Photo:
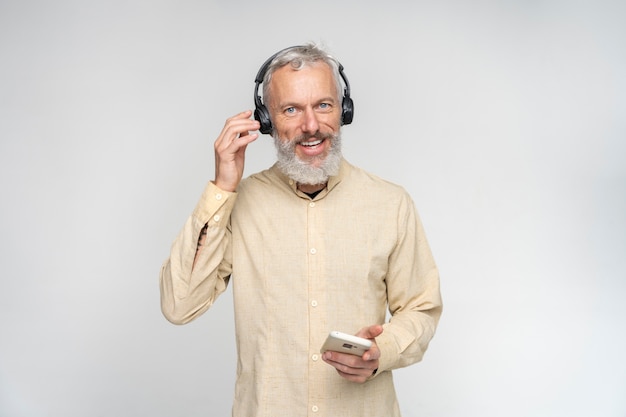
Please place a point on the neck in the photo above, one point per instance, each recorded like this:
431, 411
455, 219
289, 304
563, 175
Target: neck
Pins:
309, 189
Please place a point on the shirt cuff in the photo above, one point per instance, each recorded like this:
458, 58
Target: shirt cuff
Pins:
215, 206
392, 342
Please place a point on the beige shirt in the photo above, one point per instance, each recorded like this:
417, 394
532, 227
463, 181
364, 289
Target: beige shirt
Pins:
301, 268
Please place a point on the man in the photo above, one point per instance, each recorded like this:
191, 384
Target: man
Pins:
312, 244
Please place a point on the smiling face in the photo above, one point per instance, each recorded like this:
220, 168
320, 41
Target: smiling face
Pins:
305, 112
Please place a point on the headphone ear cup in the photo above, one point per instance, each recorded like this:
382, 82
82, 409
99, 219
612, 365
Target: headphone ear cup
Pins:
347, 110
262, 115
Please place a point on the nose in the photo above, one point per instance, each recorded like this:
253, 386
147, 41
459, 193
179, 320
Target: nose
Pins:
310, 123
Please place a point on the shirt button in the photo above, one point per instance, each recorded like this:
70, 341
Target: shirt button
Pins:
313, 251
315, 358
218, 196
315, 409
311, 204
314, 303
216, 218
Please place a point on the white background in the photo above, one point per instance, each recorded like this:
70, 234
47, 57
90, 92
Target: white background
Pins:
506, 121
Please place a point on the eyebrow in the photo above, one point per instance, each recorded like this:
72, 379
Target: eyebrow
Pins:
287, 104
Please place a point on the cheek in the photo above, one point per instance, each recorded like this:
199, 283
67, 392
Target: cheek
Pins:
328, 122
285, 133
333, 119
283, 125
332, 124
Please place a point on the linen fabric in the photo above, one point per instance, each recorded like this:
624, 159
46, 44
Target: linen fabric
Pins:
354, 256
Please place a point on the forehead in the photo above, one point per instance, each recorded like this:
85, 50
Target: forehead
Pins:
312, 81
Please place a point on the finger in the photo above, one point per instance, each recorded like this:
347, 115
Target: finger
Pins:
237, 125
372, 355
244, 140
370, 332
246, 114
354, 378
235, 150
349, 369
352, 373
230, 142
349, 363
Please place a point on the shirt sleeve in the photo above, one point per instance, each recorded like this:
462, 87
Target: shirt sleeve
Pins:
413, 294
187, 291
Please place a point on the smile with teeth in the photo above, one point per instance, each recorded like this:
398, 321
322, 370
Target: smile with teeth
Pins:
312, 143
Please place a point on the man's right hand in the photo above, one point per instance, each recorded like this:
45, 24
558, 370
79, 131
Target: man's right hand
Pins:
230, 149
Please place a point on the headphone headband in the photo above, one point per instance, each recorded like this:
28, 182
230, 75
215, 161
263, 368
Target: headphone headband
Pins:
262, 114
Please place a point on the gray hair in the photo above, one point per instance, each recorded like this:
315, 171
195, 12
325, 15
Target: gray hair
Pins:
300, 57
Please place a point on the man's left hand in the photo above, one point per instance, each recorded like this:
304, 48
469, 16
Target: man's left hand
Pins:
357, 368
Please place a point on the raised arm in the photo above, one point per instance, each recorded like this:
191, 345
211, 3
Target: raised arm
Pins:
199, 265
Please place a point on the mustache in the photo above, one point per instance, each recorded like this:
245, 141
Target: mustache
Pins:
316, 135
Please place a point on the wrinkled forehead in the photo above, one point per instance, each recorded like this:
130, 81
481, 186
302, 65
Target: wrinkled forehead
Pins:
300, 70
300, 84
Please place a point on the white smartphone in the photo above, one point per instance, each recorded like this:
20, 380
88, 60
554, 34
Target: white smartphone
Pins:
346, 343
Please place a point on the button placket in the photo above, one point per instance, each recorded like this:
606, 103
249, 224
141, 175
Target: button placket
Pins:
315, 248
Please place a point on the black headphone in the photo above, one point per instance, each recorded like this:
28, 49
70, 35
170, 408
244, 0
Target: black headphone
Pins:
262, 114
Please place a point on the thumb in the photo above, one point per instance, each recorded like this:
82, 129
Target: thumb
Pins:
370, 332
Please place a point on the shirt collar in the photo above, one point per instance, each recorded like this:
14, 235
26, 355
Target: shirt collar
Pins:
333, 181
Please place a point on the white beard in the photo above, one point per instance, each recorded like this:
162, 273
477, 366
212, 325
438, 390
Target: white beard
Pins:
303, 172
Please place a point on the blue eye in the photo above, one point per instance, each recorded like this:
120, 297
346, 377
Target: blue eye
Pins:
290, 110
